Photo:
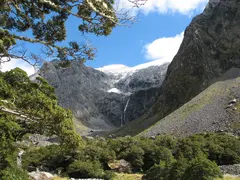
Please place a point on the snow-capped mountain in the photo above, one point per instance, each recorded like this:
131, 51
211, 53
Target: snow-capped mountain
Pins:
121, 71
106, 97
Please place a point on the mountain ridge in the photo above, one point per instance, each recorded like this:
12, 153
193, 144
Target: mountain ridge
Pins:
210, 48
104, 101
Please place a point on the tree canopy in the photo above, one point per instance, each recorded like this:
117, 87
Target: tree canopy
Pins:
29, 108
44, 21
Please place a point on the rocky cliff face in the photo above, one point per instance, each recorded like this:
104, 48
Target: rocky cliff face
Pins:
211, 46
104, 100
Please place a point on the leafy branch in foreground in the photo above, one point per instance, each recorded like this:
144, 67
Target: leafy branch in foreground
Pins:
44, 22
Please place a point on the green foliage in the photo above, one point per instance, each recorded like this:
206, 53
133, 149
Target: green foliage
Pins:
51, 157
13, 174
165, 157
166, 141
178, 168
46, 20
31, 108
202, 169
109, 175
88, 169
191, 147
156, 154
63, 64
158, 172
223, 149
199, 168
134, 155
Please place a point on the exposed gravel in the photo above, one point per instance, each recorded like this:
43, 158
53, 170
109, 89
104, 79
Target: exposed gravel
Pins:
208, 111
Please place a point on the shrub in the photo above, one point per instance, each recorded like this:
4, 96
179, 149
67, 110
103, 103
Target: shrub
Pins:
166, 141
13, 173
98, 151
222, 148
202, 169
178, 168
79, 169
109, 175
157, 172
48, 158
155, 155
133, 155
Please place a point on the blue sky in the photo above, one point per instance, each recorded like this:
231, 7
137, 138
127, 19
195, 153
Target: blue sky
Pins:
156, 35
126, 45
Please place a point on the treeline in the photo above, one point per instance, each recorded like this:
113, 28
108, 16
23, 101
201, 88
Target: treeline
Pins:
166, 157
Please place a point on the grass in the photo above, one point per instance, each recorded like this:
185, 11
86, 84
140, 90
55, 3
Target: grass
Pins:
229, 177
59, 178
142, 124
122, 176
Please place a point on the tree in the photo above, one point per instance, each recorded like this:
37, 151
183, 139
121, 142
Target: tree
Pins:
202, 169
26, 108
45, 21
158, 172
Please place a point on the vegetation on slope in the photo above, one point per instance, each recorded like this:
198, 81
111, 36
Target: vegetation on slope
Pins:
176, 158
208, 109
27, 108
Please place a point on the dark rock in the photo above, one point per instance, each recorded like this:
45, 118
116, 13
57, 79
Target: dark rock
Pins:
231, 169
210, 48
120, 166
85, 91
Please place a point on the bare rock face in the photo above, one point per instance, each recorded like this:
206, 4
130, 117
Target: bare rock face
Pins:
103, 101
211, 46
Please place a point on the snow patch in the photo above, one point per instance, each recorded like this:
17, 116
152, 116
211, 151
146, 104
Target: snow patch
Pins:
114, 90
121, 71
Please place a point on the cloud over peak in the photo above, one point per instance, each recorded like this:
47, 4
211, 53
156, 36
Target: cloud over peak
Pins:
164, 48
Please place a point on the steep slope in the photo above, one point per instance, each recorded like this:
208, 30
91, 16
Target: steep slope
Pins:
104, 100
210, 111
210, 47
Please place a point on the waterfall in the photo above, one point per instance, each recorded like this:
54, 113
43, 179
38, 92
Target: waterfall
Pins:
124, 111
19, 158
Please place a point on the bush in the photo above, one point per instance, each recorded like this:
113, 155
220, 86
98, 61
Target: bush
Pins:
222, 148
166, 141
109, 175
98, 151
202, 169
133, 155
155, 155
13, 173
157, 172
178, 168
49, 158
191, 147
79, 169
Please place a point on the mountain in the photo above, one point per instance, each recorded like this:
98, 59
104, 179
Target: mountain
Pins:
209, 49
104, 98
213, 110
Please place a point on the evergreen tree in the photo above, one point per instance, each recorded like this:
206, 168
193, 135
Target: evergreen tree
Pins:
45, 21
26, 108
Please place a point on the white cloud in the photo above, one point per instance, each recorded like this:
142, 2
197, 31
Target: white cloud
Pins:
186, 7
17, 63
163, 49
